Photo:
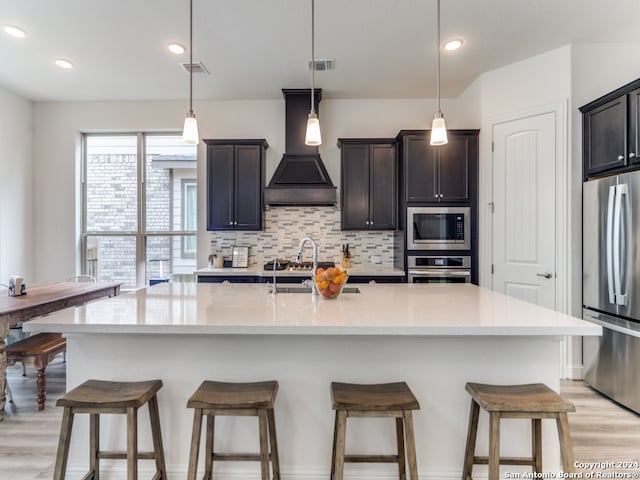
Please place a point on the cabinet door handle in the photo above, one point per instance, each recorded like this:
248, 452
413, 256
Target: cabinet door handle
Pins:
436, 195
371, 223
620, 157
632, 154
230, 223
366, 222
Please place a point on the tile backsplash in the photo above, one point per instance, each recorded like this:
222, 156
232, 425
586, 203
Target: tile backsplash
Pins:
286, 226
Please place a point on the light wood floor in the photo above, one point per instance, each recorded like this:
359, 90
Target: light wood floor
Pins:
601, 430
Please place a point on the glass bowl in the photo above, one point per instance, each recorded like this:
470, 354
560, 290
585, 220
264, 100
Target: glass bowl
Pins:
329, 282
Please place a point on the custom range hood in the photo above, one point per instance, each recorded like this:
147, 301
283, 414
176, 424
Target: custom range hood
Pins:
301, 178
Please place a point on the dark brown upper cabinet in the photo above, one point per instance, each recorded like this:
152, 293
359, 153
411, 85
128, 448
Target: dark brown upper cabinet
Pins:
438, 174
611, 132
369, 184
235, 184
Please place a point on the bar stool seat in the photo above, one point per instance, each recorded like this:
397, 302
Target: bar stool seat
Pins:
395, 400
532, 401
213, 399
102, 394
97, 397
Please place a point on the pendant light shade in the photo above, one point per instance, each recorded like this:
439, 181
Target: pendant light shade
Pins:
190, 130
438, 130
313, 138
438, 127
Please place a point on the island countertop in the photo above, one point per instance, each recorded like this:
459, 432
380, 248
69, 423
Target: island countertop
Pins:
249, 309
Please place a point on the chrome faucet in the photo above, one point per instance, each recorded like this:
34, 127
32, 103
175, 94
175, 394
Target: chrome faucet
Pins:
275, 288
314, 290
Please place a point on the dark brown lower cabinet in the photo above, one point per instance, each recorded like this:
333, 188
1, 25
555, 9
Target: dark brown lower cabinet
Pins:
235, 184
369, 184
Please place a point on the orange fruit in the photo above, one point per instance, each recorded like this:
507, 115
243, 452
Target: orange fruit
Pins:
319, 271
323, 285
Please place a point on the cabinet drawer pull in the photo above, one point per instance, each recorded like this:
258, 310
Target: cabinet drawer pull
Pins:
620, 157
632, 154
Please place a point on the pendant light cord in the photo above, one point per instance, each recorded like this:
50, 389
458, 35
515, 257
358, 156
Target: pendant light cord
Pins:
438, 48
191, 58
313, 60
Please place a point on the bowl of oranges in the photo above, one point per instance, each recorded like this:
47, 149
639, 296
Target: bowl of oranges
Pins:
329, 282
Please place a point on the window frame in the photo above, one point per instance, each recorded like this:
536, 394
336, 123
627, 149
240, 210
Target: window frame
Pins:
185, 184
141, 234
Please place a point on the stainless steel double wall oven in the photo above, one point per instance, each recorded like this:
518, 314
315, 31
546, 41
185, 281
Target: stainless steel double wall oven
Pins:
437, 228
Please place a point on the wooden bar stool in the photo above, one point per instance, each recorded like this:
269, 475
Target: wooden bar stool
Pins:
382, 400
534, 401
97, 397
234, 399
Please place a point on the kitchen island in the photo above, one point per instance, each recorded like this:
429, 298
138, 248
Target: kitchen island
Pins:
435, 337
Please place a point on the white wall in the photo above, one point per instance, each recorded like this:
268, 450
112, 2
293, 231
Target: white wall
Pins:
16, 187
57, 156
540, 81
536, 81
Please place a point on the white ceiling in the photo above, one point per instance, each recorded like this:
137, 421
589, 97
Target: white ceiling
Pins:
253, 48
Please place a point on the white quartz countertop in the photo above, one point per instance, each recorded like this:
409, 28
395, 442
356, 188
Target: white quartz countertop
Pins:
249, 309
258, 271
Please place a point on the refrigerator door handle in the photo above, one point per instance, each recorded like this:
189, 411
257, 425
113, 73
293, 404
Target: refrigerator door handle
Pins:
609, 238
621, 190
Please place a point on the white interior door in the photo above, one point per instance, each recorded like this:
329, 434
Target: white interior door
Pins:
524, 208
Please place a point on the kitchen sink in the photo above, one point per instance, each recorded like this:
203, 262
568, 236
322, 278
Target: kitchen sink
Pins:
296, 289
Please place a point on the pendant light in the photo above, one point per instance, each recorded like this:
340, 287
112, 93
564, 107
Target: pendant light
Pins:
438, 127
313, 137
190, 130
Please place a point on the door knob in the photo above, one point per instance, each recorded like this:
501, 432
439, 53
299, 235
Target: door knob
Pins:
545, 274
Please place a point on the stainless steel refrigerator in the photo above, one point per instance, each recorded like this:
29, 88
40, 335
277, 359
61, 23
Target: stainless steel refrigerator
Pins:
611, 286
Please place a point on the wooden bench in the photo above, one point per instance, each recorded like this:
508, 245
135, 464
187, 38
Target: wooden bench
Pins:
37, 350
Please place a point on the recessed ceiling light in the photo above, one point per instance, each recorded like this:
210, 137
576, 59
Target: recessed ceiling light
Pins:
453, 44
176, 48
15, 31
64, 63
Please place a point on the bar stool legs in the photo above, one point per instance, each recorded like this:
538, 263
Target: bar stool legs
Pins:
234, 399
534, 402
393, 400
98, 397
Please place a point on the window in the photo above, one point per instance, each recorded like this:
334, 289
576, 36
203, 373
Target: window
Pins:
189, 216
139, 207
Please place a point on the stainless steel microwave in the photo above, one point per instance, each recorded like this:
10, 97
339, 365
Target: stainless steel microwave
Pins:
438, 228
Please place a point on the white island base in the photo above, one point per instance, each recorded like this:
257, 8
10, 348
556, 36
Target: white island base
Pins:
434, 337
436, 369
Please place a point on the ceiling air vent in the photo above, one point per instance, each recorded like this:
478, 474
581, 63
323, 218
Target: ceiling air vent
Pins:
322, 65
197, 67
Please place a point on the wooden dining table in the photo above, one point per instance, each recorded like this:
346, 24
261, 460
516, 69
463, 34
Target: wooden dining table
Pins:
42, 299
